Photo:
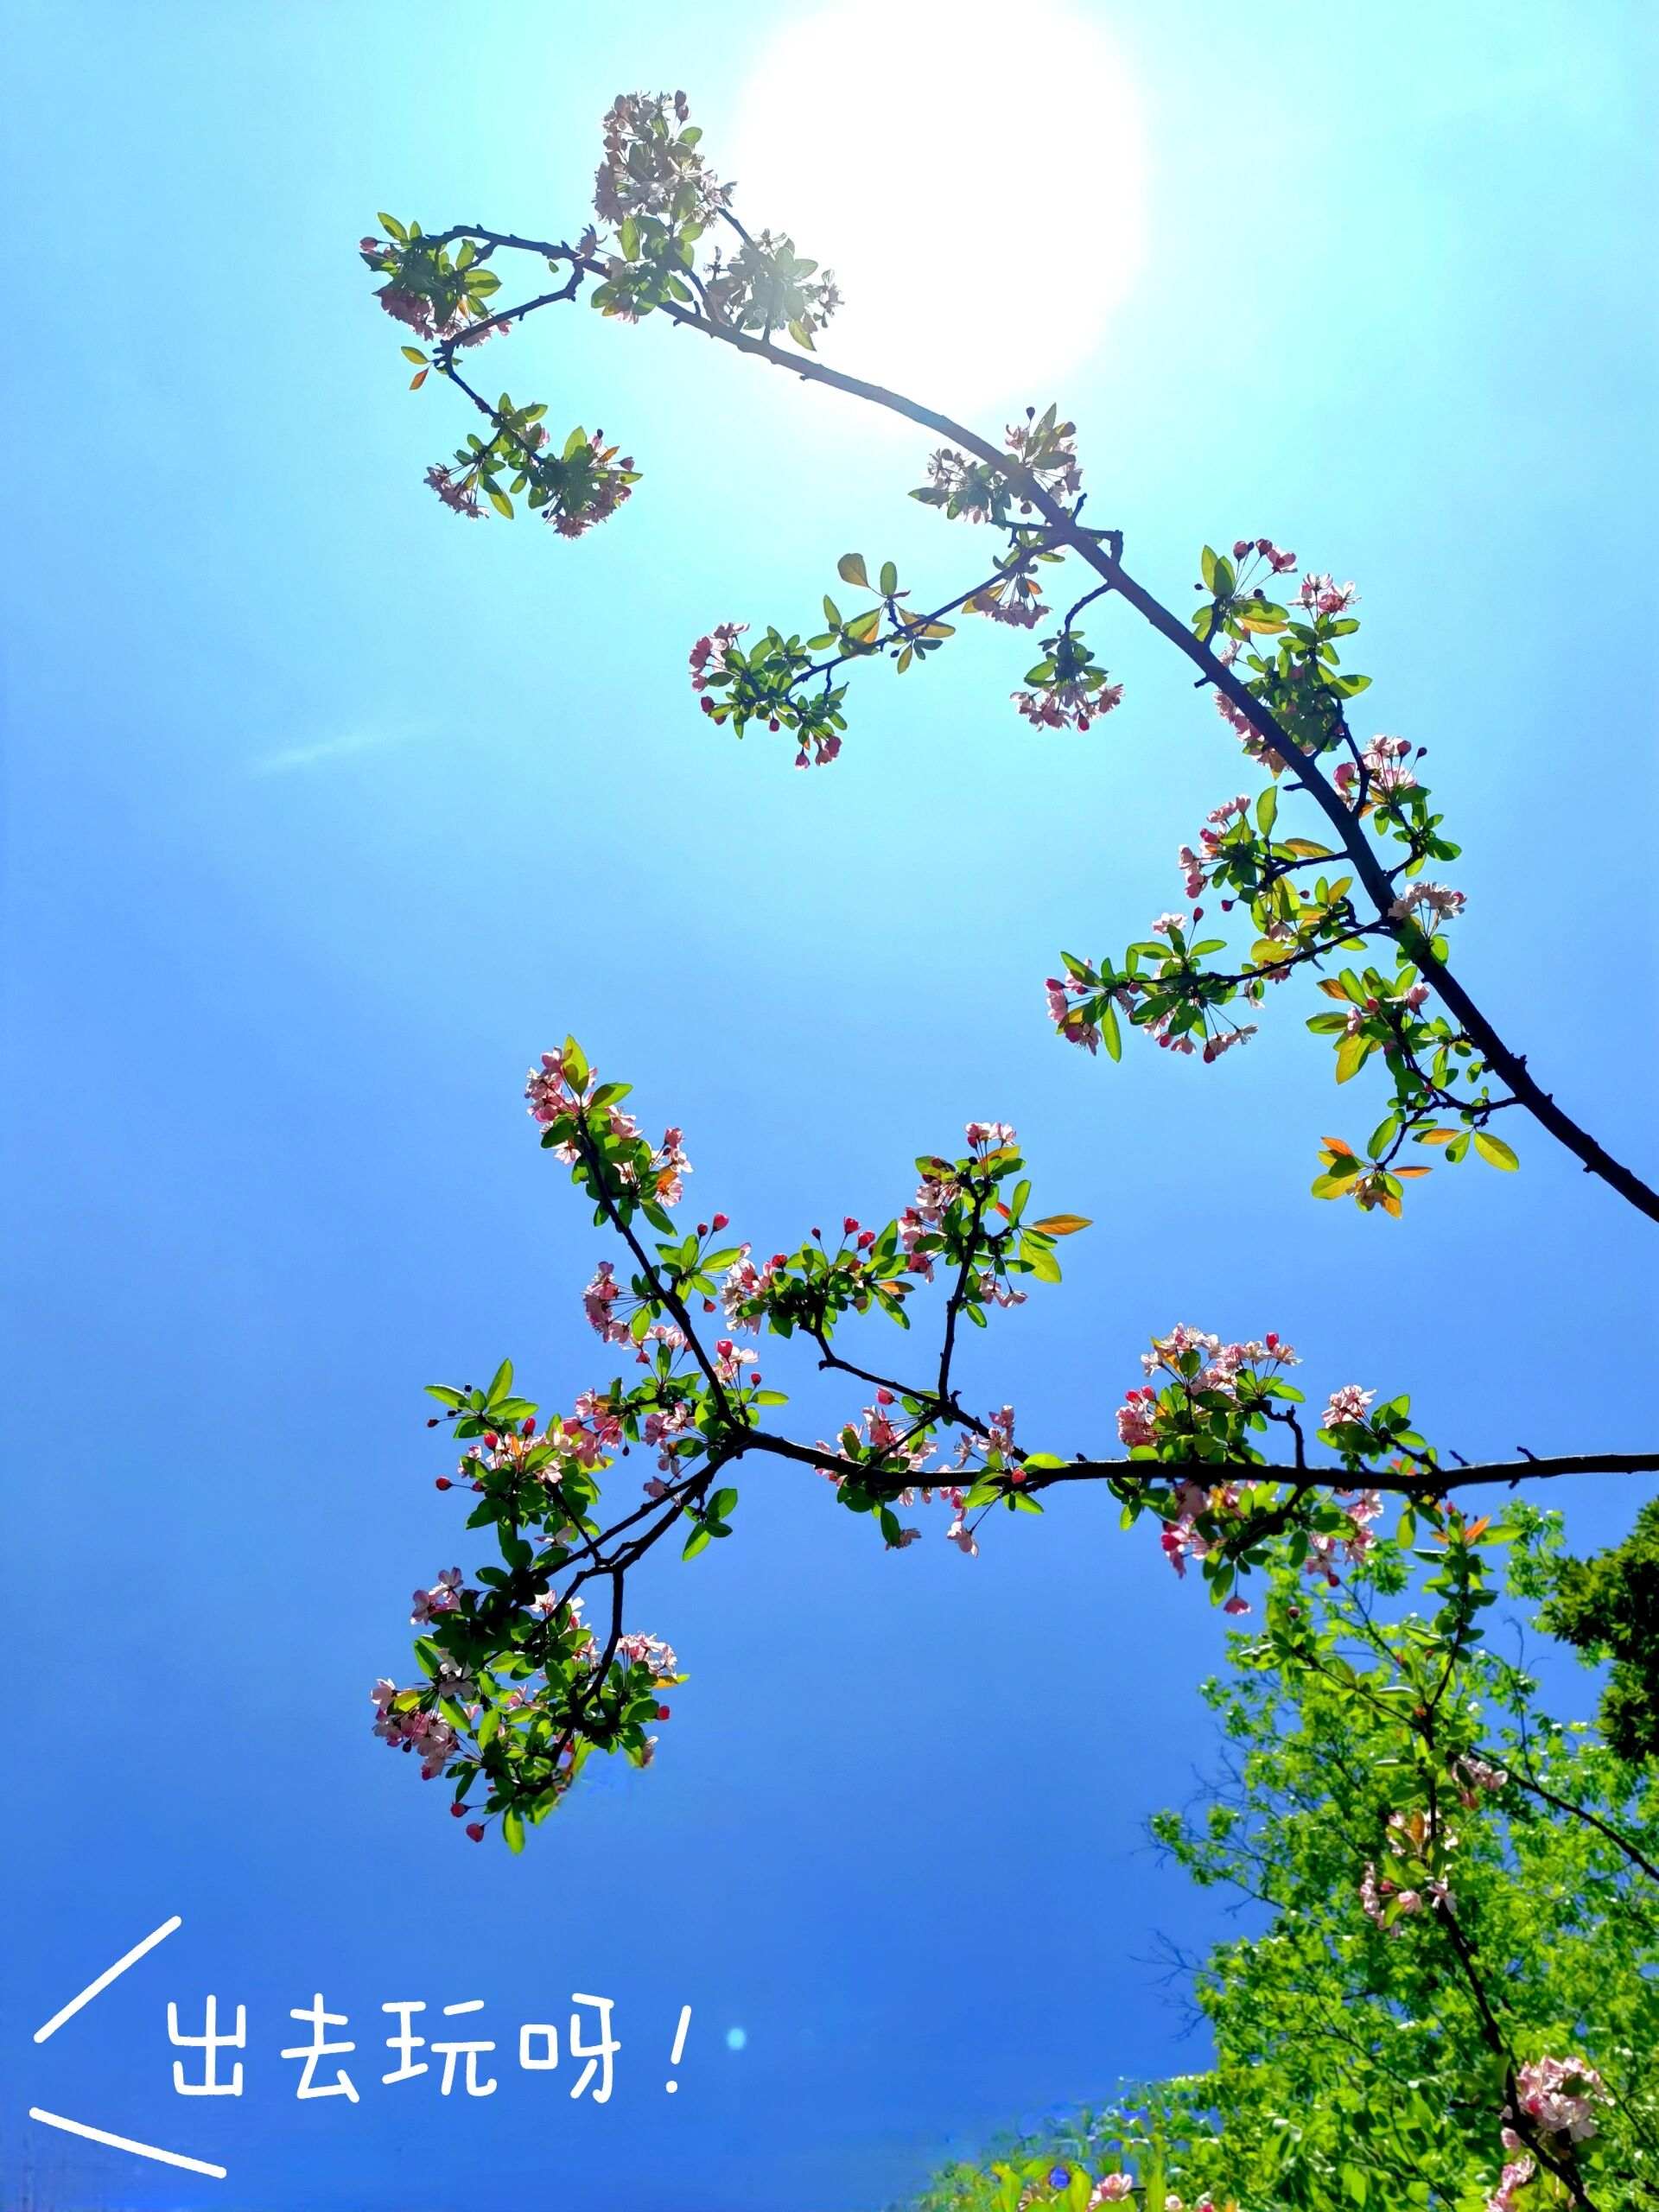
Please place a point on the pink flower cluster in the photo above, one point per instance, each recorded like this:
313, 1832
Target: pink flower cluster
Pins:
415, 309
1326, 1547
659, 1430
648, 168
881, 1434
1194, 865
1076, 702
1471, 1776
443, 1597
651, 1651
744, 1283
1015, 603
1516, 2176
550, 1094
1433, 899
708, 656
429, 1733
599, 1301
458, 493
1323, 595
730, 1360
1347, 1404
1069, 1019
1046, 449
1414, 1835
1278, 561
1558, 2095
1385, 770
602, 488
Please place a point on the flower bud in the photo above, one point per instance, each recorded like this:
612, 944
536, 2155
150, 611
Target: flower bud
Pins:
476, 1829
721, 1220
444, 1482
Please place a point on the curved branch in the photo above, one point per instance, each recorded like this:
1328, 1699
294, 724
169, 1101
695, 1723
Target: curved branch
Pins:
1102, 551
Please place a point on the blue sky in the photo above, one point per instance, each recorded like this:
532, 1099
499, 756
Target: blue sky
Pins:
325, 812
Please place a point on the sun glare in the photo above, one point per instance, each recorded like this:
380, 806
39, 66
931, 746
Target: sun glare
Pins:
972, 174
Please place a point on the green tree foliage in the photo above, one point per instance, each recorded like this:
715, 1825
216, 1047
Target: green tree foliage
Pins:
1609, 1607
1446, 1887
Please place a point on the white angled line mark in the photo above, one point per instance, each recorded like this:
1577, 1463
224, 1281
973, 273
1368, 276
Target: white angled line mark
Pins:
125, 2142
103, 1982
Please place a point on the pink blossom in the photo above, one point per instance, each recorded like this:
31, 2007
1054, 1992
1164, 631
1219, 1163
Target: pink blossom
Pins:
1111, 2188
1558, 2095
442, 1598
730, 1360
990, 1136
598, 1300
1062, 706
1440, 903
714, 649
1323, 595
459, 494
1223, 1039
1516, 2176
1347, 1404
650, 1650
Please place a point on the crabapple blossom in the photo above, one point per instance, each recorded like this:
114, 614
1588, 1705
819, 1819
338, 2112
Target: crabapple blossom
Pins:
731, 1359
1347, 1404
1516, 2176
1559, 2095
1323, 595
442, 1598
649, 1651
598, 1301
1471, 1775
650, 169
1111, 2188
713, 650
1070, 702
1432, 899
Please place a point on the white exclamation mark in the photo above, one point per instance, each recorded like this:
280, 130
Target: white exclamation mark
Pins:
679, 2043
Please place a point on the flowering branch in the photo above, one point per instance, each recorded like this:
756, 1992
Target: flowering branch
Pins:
657, 203
519, 1690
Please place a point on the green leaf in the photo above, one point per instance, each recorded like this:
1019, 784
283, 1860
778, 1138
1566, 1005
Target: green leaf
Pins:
889, 579
1267, 810
502, 1384
1495, 1150
1110, 1035
1352, 1054
513, 1828
850, 568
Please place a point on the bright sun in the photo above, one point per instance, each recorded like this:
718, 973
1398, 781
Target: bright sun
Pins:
972, 174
